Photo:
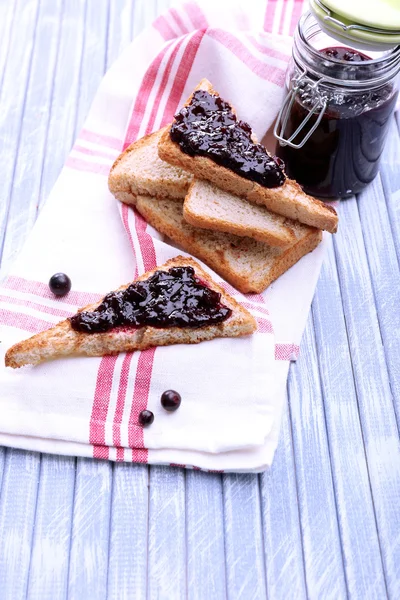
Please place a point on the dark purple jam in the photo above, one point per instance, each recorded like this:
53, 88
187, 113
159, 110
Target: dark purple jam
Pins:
208, 127
174, 298
342, 155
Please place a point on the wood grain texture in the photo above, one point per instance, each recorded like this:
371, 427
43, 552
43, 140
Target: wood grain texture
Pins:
48, 571
17, 517
205, 536
127, 563
378, 419
166, 534
317, 502
244, 543
281, 522
323, 522
360, 545
88, 564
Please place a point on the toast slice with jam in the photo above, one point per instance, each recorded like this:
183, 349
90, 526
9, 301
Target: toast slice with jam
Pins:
208, 140
176, 303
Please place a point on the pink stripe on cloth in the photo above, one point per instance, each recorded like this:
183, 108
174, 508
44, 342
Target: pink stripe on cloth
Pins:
23, 321
269, 15
57, 312
78, 164
163, 85
102, 394
264, 326
91, 152
143, 97
181, 25
119, 409
125, 220
146, 243
164, 28
101, 452
271, 73
181, 77
102, 140
196, 15
265, 49
120, 457
286, 351
296, 14
139, 403
254, 306
37, 288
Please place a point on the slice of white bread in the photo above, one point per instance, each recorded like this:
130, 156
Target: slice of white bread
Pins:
288, 200
209, 207
247, 264
63, 340
138, 170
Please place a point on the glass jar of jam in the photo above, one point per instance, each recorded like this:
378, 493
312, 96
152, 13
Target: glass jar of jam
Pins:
333, 124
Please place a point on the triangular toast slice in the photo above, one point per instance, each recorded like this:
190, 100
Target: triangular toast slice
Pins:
140, 171
209, 207
64, 339
287, 199
247, 264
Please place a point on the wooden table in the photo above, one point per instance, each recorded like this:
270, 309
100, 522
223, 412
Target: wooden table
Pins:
324, 522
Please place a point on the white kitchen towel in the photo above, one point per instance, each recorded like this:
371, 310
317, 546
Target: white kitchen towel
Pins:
233, 390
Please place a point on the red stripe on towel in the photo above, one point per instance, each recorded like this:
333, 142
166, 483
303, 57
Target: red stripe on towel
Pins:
286, 351
139, 403
270, 73
119, 409
143, 97
37, 288
196, 15
97, 431
23, 321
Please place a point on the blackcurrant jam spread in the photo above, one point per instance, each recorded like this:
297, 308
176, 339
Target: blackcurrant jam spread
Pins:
173, 298
342, 155
208, 127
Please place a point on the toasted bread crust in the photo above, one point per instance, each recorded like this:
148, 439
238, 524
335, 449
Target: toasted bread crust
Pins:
271, 229
288, 200
192, 240
123, 178
62, 340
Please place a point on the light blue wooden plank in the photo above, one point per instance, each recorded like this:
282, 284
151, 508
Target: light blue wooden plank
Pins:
166, 573
281, 523
48, 574
32, 144
65, 98
17, 515
119, 28
13, 100
2, 461
390, 175
205, 536
380, 432
90, 531
244, 550
7, 19
93, 57
323, 561
127, 565
385, 278
356, 516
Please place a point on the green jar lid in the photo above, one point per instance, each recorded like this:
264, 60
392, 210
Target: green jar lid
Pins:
368, 24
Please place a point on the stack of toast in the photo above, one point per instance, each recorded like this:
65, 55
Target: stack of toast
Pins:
248, 233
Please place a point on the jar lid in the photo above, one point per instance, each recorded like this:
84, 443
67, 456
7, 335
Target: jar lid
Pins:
371, 25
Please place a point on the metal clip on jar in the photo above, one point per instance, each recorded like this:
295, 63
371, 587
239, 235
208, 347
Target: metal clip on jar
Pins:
334, 120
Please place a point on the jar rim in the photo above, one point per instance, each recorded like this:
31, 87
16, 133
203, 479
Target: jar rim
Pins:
385, 66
